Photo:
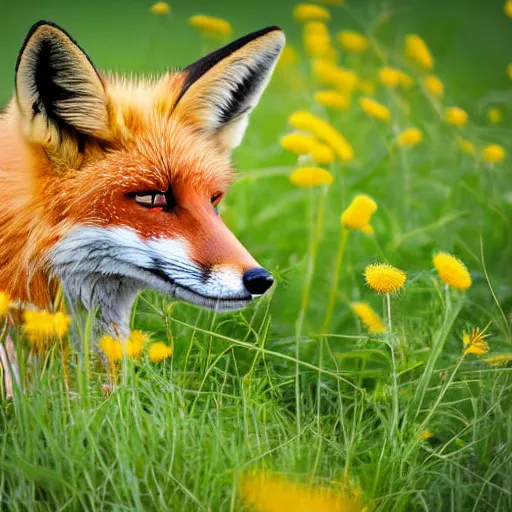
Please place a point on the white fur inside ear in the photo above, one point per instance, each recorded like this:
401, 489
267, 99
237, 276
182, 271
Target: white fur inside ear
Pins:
231, 136
58, 88
221, 99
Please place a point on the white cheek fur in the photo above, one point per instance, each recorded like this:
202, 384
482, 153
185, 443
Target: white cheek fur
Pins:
109, 266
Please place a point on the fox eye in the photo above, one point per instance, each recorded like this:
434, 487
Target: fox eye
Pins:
216, 198
154, 199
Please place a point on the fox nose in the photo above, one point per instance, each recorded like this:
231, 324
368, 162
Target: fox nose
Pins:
258, 280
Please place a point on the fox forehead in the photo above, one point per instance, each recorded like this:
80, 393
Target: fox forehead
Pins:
151, 147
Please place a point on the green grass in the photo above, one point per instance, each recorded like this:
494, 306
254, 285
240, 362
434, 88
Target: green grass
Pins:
267, 387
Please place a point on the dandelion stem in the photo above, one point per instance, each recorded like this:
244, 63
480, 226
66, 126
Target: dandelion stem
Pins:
388, 307
395, 406
337, 273
313, 246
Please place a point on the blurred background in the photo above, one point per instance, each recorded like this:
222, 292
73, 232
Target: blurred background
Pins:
471, 39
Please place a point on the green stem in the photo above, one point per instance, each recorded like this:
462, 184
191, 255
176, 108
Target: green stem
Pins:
313, 246
337, 272
437, 348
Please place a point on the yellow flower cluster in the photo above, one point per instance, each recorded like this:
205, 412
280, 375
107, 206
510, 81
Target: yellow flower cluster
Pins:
384, 278
324, 131
452, 271
358, 214
417, 50
374, 109
311, 177
133, 347
270, 492
493, 153
466, 146
474, 342
317, 41
368, 316
433, 85
333, 99
495, 115
159, 352
210, 27
508, 8
161, 9
389, 77
5, 302
353, 41
456, 116
311, 12
41, 327
327, 73
426, 434
305, 144
409, 137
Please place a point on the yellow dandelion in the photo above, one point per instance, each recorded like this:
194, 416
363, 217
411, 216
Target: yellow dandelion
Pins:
409, 137
509, 71
61, 323
161, 9
111, 347
359, 213
433, 85
367, 87
135, 344
389, 77
353, 41
39, 327
324, 131
305, 144
474, 342
466, 146
426, 434
494, 115
456, 116
159, 352
213, 28
368, 316
384, 278
333, 99
508, 8
5, 302
375, 109
499, 360
452, 271
493, 153
288, 58
406, 81
272, 492
311, 177
417, 50
311, 12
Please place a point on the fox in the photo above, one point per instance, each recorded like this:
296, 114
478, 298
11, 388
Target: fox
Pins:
111, 185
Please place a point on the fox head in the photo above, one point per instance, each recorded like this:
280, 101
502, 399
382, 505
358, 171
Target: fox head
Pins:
130, 172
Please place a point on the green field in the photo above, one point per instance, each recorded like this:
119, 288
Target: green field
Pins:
275, 387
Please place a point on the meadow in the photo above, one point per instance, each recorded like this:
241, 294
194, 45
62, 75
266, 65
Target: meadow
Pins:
325, 396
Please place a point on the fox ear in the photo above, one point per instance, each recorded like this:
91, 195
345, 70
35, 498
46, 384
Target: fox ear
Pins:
58, 90
221, 89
